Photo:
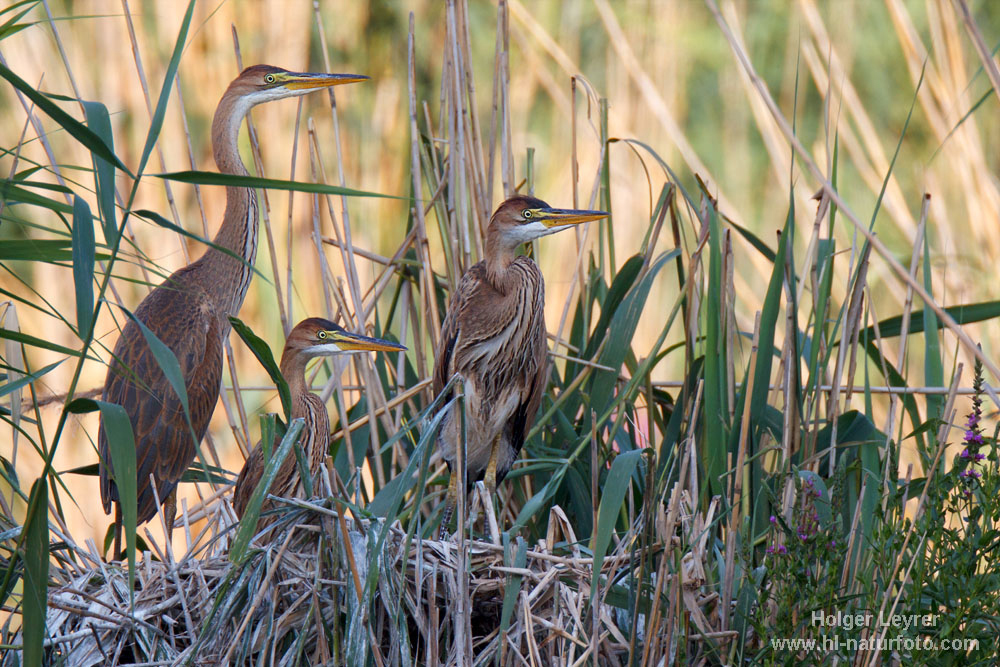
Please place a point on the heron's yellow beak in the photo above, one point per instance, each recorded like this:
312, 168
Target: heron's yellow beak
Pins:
348, 341
308, 80
560, 217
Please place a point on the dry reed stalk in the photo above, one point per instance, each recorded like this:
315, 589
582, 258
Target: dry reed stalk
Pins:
887, 256
350, 268
79, 99
985, 55
56, 171
918, 243
261, 592
140, 71
427, 316
866, 150
376, 397
872, 656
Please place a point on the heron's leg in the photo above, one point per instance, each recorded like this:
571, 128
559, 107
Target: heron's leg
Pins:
451, 501
117, 553
490, 479
169, 513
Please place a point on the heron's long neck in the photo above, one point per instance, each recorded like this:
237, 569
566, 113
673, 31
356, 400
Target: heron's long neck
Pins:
293, 368
231, 277
315, 438
499, 257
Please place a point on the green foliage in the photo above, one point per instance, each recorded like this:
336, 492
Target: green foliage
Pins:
262, 351
248, 524
36, 574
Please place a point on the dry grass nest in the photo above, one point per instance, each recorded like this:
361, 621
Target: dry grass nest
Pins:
294, 596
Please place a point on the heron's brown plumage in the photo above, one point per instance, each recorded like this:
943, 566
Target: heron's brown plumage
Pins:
493, 337
315, 436
310, 338
189, 312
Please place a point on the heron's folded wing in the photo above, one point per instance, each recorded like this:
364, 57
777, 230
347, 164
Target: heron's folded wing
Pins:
165, 441
250, 475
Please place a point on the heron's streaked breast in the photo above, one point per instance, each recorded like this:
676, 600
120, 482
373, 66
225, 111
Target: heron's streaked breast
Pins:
248, 251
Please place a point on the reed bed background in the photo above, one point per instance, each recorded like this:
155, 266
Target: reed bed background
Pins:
718, 454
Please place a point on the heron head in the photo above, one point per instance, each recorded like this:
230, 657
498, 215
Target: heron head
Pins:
317, 337
521, 219
264, 83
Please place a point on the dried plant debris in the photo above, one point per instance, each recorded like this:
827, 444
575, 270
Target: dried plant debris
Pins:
295, 597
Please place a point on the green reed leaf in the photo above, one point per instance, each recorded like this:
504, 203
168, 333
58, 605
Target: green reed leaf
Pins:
262, 351
73, 127
83, 266
248, 523
34, 603
104, 172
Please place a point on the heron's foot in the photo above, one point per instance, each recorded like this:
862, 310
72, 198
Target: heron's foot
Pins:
170, 514
490, 481
451, 501
118, 553
490, 478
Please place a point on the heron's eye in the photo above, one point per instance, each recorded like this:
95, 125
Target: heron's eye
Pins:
269, 78
321, 335
526, 213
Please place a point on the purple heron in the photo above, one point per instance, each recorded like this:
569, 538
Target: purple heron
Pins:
311, 338
493, 337
189, 313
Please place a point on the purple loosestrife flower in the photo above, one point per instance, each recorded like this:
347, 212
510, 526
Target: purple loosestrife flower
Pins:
973, 435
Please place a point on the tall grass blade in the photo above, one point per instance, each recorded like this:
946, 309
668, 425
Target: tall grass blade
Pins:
14, 385
233, 180
73, 127
714, 454
512, 587
121, 443
25, 339
12, 194
262, 351
167, 361
612, 496
104, 172
620, 333
158, 219
962, 314
36, 573
248, 524
51, 251
83, 266
11, 25
899, 146
156, 124
933, 367
768, 324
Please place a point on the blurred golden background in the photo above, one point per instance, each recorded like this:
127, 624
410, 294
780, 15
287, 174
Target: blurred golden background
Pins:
847, 70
